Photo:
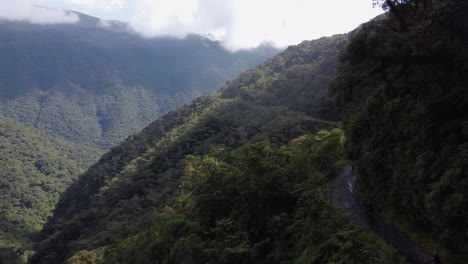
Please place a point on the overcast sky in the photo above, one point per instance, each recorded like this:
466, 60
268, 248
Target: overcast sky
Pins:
236, 23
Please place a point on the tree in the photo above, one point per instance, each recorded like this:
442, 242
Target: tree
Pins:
388, 4
403, 10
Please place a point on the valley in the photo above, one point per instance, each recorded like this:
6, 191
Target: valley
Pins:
95, 85
349, 149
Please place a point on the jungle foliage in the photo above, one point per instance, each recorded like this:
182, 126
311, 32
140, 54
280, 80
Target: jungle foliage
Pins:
127, 190
260, 203
34, 170
402, 87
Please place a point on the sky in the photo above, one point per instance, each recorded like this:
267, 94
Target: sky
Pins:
237, 24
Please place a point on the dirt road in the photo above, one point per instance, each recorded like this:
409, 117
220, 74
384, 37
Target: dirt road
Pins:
343, 196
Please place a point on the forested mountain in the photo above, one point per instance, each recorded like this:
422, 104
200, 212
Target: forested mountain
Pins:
94, 82
158, 197
403, 89
34, 170
242, 175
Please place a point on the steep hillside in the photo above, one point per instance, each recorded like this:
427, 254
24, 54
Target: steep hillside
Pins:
96, 85
34, 170
403, 89
120, 195
261, 203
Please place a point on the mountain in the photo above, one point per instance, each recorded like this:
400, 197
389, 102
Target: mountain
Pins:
96, 83
34, 170
243, 175
402, 87
142, 203
94, 22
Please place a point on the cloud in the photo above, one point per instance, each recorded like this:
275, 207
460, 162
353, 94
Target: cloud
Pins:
249, 23
26, 10
237, 24
102, 5
104, 23
181, 17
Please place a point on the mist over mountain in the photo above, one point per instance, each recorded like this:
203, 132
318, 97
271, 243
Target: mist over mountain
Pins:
94, 82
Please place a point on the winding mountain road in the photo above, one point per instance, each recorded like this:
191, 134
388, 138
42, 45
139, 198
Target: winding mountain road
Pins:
344, 197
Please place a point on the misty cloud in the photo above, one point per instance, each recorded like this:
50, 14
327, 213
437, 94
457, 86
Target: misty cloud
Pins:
26, 10
105, 5
180, 17
104, 23
238, 24
249, 23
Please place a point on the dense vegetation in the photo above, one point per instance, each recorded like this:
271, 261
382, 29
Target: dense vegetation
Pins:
257, 204
128, 189
403, 90
96, 85
34, 170
239, 176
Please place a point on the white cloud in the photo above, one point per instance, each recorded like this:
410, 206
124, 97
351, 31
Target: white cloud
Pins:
236, 23
248, 23
102, 5
181, 17
26, 10
104, 23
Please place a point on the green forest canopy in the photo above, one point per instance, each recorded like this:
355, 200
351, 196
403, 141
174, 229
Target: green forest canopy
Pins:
121, 195
35, 169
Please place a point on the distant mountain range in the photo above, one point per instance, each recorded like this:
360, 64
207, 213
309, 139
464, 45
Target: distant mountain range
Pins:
94, 82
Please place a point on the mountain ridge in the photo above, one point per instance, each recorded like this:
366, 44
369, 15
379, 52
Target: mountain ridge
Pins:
96, 86
260, 104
